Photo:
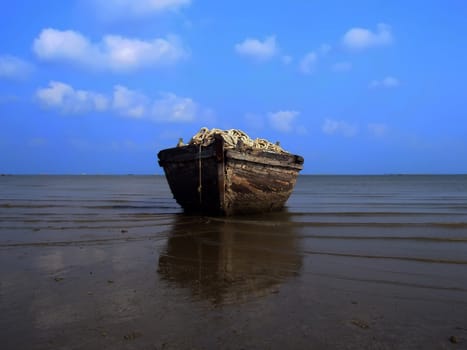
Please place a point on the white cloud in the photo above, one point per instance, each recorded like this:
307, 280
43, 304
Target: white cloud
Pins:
113, 52
335, 127
172, 108
388, 82
129, 103
68, 100
308, 63
377, 129
12, 67
55, 44
114, 9
259, 50
168, 107
283, 120
362, 38
123, 53
341, 66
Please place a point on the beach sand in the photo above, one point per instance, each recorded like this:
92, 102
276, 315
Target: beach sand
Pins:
127, 276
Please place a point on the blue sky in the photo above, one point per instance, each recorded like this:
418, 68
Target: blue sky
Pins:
356, 87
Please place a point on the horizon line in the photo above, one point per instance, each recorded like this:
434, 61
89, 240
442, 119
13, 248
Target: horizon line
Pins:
307, 174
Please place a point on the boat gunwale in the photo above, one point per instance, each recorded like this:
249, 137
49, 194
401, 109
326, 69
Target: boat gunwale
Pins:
292, 163
190, 153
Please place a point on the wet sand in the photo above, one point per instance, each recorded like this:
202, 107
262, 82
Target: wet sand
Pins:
112, 263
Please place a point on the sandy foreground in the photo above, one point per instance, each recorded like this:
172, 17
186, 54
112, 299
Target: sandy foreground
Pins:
353, 263
201, 290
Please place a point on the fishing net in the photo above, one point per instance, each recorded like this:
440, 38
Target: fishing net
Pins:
234, 139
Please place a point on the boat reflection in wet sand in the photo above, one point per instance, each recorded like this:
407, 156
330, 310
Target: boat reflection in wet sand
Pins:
227, 261
226, 173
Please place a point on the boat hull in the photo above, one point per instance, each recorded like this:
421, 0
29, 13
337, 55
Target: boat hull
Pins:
217, 181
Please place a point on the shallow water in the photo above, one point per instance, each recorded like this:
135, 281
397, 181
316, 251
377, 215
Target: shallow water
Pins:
352, 262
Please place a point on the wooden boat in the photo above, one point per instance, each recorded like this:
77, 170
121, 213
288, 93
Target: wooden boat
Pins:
216, 180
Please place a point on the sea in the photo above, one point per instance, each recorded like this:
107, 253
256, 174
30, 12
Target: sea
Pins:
352, 262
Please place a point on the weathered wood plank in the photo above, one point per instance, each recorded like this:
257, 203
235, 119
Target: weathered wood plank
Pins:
186, 154
268, 158
227, 182
257, 188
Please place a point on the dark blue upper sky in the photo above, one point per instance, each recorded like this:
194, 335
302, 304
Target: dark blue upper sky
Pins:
356, 87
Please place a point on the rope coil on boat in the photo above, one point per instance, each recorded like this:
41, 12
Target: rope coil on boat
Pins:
234, 139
